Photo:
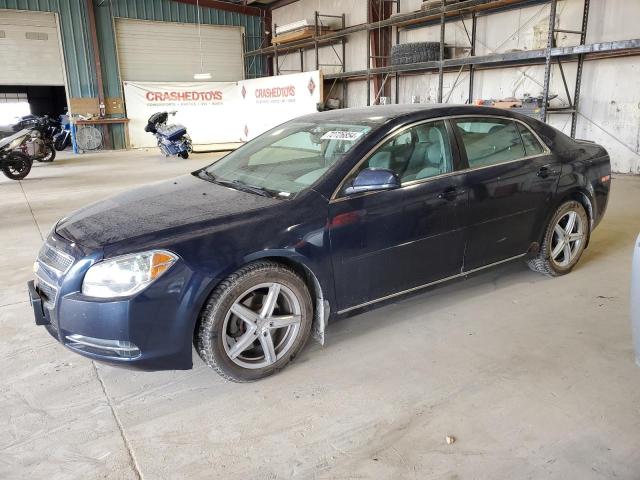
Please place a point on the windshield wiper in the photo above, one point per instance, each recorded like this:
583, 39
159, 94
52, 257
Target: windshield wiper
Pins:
205, 175
240, 185
237, 184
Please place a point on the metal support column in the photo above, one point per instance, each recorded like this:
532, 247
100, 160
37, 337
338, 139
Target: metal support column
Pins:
344, 62
397, 77
441, 64
576, 95
275, 54
315, 39
368, 30
474, 25
547, 64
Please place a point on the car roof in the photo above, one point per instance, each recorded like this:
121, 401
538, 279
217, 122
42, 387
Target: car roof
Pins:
379, 114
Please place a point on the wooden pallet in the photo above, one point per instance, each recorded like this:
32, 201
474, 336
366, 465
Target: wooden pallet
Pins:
307, 32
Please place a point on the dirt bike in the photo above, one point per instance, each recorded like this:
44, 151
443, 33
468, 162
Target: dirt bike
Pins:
15, 164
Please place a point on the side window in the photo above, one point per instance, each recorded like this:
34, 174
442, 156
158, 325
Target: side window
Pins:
490, 141
531, 144
419, 152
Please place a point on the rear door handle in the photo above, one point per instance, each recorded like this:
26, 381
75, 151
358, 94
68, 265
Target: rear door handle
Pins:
545, 171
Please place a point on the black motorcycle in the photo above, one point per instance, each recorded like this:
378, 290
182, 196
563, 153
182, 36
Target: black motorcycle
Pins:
13, 163
62, 139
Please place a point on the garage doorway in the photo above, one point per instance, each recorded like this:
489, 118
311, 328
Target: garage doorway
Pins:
32, 79
168, 52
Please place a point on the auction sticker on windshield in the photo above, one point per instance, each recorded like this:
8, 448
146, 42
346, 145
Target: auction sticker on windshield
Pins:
342, 135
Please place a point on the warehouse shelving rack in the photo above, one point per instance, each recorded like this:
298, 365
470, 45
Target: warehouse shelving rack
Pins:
466, 10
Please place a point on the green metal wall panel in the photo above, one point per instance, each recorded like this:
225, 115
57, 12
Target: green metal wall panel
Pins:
76, 42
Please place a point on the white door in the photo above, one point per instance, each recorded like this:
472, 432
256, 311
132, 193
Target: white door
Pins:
30, 49
169, 52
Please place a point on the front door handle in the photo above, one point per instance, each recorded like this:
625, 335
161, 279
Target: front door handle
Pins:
449, 194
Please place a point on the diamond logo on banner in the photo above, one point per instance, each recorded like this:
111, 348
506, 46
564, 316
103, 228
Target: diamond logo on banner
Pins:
311, 86
243, 92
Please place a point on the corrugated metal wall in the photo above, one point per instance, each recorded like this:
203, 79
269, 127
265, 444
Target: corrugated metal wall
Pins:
81, 75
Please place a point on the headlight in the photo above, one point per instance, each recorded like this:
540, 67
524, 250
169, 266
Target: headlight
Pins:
126, 275
15, 143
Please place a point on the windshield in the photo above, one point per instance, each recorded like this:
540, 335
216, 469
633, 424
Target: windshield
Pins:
287, 159
7, 140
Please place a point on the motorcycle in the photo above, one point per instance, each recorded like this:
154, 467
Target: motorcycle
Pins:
172, 139
26, 121
62, 139
13, 162
40, 145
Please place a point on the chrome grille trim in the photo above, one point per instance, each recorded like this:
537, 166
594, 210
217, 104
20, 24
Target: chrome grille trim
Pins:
49, 291
55, 259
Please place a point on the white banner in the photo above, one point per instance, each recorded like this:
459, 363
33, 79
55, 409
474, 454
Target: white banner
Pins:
221, 112
201, 107
270, 101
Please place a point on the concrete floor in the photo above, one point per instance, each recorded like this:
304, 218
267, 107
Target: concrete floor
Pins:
534, 377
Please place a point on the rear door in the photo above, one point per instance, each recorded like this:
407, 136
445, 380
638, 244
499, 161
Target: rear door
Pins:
511, 178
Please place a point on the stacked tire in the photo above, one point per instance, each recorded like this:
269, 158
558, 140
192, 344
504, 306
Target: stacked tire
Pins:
415, 52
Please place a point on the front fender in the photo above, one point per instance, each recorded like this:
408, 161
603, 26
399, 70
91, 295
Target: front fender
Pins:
318, 278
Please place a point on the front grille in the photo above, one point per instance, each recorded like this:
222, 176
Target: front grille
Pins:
53, 258
48, 291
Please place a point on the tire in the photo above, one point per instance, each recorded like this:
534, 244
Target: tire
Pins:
553, 259
415, 52
184, 154
62, 144
246, 291
16, 166
49, 154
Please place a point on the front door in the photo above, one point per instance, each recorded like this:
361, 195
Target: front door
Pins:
387, 242
511, 177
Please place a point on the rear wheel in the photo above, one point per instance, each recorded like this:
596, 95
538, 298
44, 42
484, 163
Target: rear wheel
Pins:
17, 166
564, 241
255, 322
184, 154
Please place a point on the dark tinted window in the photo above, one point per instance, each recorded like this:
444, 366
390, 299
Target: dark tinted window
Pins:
531, 144
419, 152
490, 141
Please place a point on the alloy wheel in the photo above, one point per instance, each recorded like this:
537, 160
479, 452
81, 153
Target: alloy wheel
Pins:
568, 237
262, 325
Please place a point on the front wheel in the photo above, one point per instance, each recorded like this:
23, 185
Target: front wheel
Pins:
17, 166
255, 322
564, 241
184, 154
49, 154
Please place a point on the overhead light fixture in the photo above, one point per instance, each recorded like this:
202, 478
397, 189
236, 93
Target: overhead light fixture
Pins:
202, 75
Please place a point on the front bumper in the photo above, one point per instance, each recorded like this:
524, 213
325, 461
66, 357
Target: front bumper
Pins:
108, 332
152, 330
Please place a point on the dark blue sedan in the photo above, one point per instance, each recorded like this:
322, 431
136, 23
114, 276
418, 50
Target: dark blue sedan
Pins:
324, 215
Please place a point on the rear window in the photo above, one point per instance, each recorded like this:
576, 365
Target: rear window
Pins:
490, 141
531, 144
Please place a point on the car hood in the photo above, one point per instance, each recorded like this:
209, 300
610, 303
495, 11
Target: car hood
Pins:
149, 210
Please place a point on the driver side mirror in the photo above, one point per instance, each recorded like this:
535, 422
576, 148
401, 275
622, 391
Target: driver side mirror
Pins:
371, 180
